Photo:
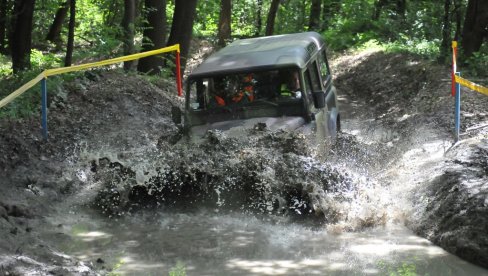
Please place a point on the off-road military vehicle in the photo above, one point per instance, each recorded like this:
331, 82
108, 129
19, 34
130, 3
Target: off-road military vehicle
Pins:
277, 82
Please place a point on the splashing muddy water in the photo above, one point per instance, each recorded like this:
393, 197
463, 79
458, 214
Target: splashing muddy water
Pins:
267, 205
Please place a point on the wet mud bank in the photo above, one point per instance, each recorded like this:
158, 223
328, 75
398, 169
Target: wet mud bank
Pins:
453, 209
442, 186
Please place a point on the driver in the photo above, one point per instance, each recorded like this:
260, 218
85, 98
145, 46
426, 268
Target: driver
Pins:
290, 83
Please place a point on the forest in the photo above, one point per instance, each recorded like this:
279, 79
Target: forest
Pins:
36, 35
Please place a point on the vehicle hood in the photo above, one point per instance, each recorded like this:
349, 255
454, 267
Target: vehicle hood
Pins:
239, 128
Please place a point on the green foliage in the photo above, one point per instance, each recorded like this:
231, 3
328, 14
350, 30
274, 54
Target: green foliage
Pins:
44, 60
350, 33
477, 66
178, 270
425, 48
26, 104
29, 103
118, 265
403, 269
207, 18
5, 66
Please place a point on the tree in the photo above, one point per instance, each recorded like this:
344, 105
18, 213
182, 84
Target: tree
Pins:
71, 33
446, 32
314, 15
378, 6
128, 30
401, 8
55, 30
459, 16
273, 10
154, 35
182, 27
4, 7
224, 22
475, 26
259, 17
21, 34
330, 8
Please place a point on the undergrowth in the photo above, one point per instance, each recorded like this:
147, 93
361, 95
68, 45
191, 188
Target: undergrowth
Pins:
29, 103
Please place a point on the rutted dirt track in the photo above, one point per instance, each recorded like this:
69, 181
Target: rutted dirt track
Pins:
397, 119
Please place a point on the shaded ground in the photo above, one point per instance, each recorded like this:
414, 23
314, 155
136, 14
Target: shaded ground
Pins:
103, 129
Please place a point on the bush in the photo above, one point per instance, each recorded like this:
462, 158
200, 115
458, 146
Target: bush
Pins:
477, 65
28, 103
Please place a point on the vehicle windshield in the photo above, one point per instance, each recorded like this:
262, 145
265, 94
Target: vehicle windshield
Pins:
246, 89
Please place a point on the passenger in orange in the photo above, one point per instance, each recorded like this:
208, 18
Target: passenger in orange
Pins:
244, 92
246, 89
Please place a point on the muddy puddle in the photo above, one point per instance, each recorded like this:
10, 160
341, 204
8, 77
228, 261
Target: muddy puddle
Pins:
333, 218
208, 243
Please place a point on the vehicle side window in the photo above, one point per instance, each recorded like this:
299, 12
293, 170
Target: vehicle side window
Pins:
308, 82
309, 88
324, 68
314, 76
197, 94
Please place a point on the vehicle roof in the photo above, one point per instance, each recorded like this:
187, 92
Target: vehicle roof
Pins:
261, 53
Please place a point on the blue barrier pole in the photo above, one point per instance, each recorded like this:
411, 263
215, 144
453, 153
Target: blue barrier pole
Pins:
458, 108
44, 107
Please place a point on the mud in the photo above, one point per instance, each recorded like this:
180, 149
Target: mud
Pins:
444, 184
111, 148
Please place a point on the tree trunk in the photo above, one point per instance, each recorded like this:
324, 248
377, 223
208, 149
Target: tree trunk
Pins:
71, 33
401, 8
259, 18
154, 35
182, 27
459, 16
128, 30
55, 30
273, 10
475, 26
314, 22
378, 6
224, 22
446, 32
330, 8
3, 26
21, 34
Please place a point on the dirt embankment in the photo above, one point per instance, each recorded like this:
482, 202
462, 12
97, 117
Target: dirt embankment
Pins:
103, 129
443, 186
105, 114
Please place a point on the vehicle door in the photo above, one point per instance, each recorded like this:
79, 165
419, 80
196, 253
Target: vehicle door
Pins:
319, 115
330, 92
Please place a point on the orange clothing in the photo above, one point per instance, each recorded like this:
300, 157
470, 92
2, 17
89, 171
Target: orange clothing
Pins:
220, 101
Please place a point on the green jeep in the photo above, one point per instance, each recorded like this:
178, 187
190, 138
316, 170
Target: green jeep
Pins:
276, 82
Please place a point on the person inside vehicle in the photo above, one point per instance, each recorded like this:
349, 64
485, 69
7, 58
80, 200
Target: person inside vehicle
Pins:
217, 97
240, 90
245, 92
289, 83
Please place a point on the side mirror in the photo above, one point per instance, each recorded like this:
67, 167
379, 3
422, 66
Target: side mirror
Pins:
319, 99
176, 115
